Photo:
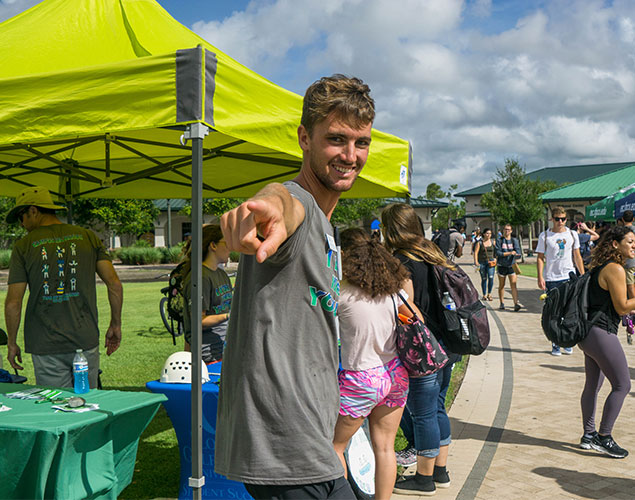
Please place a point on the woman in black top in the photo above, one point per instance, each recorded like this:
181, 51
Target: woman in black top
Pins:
485, 261
603, 353
425, 422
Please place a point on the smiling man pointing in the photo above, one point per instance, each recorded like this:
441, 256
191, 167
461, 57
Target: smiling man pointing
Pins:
279, 396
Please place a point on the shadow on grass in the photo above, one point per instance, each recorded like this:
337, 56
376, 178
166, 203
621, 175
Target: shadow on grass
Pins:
581, 484
157, 468
153, 332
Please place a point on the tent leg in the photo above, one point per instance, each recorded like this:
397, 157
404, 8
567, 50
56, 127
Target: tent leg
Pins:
168, 236
196, 132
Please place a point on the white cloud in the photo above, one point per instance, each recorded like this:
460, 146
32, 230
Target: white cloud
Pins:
10, 8
482, 8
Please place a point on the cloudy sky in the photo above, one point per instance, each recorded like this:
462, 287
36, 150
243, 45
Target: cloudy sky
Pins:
467, 82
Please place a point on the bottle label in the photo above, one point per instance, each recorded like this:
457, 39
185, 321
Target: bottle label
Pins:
80, 367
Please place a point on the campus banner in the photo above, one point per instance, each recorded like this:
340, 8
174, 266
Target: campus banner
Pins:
626, 203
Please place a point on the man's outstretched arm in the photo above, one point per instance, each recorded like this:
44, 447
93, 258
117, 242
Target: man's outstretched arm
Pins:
261, 224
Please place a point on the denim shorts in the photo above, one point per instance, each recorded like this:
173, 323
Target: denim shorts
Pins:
361, 391
505, 270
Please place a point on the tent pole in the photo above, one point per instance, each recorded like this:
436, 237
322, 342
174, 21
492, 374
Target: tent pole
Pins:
168, 237
196, 132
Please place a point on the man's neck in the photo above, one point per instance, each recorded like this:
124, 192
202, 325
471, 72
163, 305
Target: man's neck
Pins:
47, 220
560, 230
324, 197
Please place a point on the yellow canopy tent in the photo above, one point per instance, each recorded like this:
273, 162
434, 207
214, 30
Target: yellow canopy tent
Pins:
98, 99
99, 92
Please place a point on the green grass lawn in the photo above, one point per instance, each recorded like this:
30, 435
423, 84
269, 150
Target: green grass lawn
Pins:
144, 348
529, 270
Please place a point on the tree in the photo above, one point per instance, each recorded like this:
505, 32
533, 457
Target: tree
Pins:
9, 233
434, 192
122, 217
349, 211
455, 209
214, 206
514, 198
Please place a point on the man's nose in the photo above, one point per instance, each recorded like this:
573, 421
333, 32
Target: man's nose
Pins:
350, 152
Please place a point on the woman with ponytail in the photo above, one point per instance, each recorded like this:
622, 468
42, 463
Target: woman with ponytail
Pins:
216, 290
373, 382
425, 423
603, 353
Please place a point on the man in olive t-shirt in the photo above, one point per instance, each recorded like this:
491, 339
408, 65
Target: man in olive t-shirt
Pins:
279, 396
58, 263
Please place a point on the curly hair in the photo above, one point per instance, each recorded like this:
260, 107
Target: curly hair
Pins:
604, 251
369, 266
404, 234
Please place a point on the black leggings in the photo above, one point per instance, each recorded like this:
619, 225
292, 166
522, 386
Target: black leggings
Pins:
603, 356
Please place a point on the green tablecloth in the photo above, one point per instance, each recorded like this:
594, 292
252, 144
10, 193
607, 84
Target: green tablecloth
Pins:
45, 454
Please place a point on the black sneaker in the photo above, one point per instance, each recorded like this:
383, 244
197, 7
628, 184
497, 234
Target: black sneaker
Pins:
416, 485
441, 479
585, 440
606, 444
517, 307
502, 307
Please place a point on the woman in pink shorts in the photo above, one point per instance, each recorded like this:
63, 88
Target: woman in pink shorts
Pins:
373, 382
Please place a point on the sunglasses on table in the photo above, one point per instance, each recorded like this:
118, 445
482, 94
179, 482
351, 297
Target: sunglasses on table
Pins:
561, 219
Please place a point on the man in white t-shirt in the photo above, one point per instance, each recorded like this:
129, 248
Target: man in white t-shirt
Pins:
558, 248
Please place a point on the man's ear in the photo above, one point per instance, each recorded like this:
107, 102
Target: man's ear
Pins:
303, 138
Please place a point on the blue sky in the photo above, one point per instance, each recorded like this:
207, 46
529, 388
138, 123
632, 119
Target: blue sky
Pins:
467, 82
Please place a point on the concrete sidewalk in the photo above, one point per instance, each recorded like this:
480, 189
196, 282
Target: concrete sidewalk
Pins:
516, 422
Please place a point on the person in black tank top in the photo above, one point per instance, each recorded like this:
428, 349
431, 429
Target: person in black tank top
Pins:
603, 353
485, 262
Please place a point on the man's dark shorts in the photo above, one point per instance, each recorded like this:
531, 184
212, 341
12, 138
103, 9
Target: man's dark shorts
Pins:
505, 270
336, 489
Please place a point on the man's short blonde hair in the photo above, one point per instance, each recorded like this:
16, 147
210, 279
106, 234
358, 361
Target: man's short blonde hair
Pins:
558, 211
347, 97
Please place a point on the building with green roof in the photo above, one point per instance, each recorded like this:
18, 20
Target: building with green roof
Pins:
573, 200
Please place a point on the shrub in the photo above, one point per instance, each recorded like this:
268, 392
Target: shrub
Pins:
5, 256
234, 256
140, 243
170, 255
139, 255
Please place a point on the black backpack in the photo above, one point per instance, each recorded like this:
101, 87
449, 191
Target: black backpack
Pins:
442, 240
565, 315
176, 299
470, 312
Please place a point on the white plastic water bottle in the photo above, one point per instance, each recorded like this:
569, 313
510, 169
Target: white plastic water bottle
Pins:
448, 303
80, 372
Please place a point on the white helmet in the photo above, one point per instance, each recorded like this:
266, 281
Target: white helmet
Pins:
178, 369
